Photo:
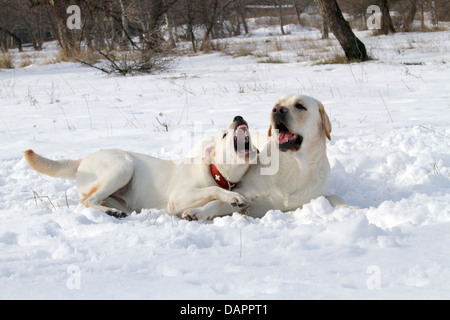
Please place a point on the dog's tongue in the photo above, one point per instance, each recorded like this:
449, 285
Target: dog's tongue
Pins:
242, 139
285, 136
241, 133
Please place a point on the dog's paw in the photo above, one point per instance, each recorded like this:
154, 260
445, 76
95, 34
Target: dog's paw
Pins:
197, 214
236, 200
189, 216
231, 197
116, 214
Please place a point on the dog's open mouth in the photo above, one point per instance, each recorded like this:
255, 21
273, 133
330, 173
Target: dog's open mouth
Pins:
288, 140
242, 140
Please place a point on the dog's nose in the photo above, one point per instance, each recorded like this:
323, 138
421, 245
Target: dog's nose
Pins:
238, 119
279, 109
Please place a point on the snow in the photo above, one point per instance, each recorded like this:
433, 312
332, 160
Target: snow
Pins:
389, 154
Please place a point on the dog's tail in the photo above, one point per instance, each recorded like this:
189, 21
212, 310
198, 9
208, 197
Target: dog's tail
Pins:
58, 169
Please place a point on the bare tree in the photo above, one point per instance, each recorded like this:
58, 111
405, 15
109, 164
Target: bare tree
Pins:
300, 6
21, 23
13, 36
410, 14
386, 22
147, 53
209, 9
432, 5
354, 49
240, 9
442, 9
187, 14
324, 29
69, 41
280, 8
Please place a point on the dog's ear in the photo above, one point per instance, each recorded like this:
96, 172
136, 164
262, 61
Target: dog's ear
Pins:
326, 124
209, 152
270, 131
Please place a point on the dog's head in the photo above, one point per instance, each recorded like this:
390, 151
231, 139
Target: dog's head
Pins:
234, 145
297, 120
232, 151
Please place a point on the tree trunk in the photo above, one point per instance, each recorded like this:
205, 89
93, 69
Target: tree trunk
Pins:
281, 17
354, 49
153, 36
408, 21
170, 30
187, 14
422, 17
386, 23
124, 22
298, 11
192, 37
324, 29
434, 20
241, 9
210, 20
15, 37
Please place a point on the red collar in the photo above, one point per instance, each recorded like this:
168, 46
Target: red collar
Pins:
219, 178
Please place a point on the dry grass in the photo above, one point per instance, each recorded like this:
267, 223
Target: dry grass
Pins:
335, 59
306, 49
25, 60
271, 60
81, 55
236, 50
6, 61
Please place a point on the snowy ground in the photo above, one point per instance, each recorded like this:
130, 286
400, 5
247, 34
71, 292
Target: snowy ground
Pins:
390, 154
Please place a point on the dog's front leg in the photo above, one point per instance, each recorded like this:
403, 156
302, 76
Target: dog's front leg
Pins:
233, 198
182, 200
209, 211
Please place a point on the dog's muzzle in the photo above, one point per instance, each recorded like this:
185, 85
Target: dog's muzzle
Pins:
242, 144
287, 140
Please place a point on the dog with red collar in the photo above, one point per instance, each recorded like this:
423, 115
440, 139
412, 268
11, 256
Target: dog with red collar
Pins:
292, 167
119, 182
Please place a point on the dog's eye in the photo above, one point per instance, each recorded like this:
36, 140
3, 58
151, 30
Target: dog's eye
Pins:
224, 135
300, 106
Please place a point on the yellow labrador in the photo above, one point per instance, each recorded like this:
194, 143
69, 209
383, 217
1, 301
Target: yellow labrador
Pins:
119, 182
296, 147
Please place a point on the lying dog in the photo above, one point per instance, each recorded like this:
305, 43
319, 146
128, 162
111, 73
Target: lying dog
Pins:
296, 144
119, 182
